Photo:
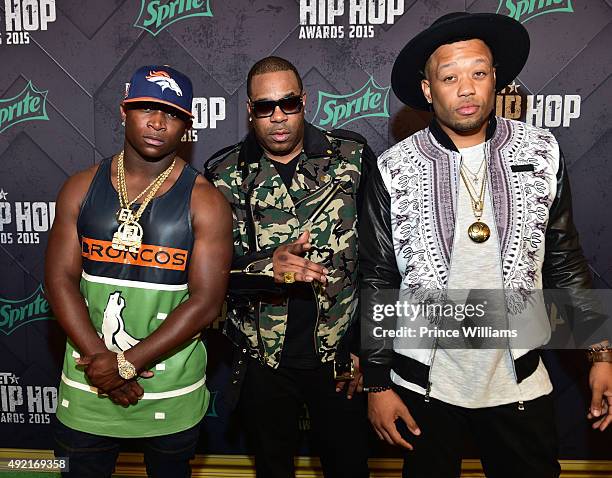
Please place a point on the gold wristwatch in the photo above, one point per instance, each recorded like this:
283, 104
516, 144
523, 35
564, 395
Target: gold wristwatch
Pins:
127, 371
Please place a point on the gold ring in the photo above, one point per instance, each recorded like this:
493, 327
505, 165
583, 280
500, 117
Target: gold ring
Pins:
289, 277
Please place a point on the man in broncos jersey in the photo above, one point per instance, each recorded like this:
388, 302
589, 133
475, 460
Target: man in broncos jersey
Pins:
137, 265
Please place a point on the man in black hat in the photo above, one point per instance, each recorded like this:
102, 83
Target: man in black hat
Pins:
478, 204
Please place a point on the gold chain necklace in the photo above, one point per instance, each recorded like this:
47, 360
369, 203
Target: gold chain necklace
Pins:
129, 234
478, 230
474, 175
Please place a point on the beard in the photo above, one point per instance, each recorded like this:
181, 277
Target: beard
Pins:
469, 124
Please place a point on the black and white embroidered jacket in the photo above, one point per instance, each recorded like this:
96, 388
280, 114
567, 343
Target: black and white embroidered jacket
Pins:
407, 233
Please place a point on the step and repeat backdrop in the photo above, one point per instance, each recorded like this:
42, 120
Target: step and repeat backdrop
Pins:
64, 68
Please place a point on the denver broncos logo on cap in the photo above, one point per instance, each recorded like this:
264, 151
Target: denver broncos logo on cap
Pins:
164, 80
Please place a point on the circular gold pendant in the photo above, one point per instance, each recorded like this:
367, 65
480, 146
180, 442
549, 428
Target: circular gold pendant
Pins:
479, 232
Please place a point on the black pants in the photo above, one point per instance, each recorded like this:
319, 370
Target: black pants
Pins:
271, 402
513, 443
94, 456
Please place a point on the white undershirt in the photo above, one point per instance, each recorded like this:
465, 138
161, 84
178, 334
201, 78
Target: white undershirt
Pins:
474, 378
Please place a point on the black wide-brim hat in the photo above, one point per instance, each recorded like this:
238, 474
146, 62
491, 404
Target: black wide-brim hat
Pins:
507, 39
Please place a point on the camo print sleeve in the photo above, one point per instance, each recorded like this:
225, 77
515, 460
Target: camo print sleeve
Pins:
226, 178
223, 176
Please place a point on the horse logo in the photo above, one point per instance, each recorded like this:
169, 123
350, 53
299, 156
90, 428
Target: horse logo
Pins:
164, 80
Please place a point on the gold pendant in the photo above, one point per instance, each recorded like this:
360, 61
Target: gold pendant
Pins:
125, 215
479, 232
128, 237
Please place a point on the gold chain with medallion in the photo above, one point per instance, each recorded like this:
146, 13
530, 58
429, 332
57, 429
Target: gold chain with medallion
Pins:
478, 231
129, 234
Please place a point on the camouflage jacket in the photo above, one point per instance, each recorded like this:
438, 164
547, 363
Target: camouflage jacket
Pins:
323, 199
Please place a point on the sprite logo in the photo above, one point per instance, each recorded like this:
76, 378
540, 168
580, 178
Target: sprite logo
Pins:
155, 15
335, 111
15, 313
28, 105
525, 10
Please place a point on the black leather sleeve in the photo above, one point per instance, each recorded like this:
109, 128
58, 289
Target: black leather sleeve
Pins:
378, 270
565, 266
564, 263
351, 340
368, 166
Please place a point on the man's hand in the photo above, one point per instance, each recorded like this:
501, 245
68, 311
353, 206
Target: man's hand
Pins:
355, 385
102, 371
128, 394
288, 258
600, 380
383, 409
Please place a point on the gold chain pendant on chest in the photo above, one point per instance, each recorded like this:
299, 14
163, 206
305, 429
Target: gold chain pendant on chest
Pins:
478, 231
129, 234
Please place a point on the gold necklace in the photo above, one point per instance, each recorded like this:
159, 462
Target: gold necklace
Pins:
474, 175
129, 234
478, 230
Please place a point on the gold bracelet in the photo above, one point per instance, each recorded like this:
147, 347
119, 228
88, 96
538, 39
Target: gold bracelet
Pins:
600, 353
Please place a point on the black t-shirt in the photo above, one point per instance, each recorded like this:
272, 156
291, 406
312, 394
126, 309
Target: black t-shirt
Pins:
287, 170
299, 349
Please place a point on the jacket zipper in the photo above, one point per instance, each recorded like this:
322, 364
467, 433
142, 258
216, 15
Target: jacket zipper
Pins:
249, 268
263, 354
322, 205
316, 327
315, 192
450, 262
431, 364
520, 403
324, 202
252, 218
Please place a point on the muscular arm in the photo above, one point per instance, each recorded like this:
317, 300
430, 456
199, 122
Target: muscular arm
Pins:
63, 267
208, 275
63, 275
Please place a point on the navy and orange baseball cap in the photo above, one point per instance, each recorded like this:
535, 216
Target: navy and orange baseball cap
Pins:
161, 84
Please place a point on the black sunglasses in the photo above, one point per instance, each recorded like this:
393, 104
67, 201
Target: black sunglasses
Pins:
265, 108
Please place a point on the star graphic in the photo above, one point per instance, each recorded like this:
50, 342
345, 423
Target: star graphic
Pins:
514, 86
3, 195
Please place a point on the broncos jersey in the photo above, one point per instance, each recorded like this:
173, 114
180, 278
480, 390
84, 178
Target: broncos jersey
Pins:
128, 295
